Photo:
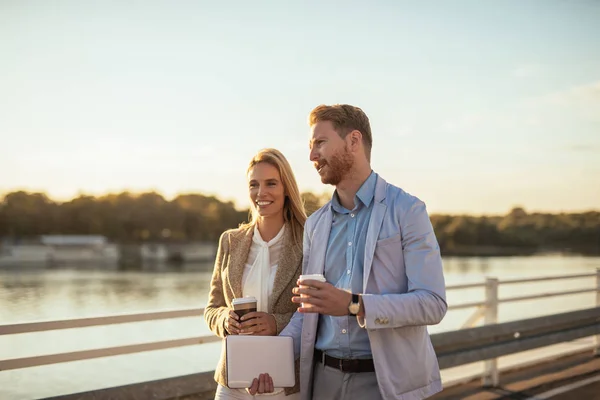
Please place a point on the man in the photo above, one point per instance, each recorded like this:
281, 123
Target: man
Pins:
363, 333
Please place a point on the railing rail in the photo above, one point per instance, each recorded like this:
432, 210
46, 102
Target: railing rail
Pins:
487, 342
486, 309
25, 362
42, 326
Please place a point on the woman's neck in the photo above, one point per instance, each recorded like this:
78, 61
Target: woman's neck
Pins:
270, 226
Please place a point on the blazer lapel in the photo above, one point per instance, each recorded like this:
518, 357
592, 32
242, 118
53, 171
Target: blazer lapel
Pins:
318, 243
377, 215
287, 265
239, 247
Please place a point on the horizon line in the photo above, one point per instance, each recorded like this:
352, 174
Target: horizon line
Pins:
136, 193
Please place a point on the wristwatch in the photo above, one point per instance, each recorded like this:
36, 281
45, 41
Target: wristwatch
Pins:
354, 306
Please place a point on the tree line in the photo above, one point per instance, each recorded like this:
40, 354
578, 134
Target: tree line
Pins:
134, 218
124, 217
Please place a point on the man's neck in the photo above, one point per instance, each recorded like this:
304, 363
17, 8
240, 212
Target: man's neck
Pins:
270, 226
347, 188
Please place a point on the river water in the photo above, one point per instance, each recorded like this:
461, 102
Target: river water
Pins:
36, 294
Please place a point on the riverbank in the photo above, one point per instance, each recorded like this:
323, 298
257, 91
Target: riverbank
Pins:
504, 251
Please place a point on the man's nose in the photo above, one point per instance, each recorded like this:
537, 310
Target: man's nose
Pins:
313, 156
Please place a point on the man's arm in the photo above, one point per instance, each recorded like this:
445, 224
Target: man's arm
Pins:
294, 330
425, 302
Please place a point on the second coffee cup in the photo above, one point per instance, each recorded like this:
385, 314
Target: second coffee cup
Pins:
314, 277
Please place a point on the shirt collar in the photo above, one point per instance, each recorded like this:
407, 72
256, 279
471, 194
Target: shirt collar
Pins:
365, 195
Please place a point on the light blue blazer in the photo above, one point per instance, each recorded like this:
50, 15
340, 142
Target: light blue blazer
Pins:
403, 292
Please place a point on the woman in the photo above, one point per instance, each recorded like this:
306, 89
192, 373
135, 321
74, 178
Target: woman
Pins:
262, 259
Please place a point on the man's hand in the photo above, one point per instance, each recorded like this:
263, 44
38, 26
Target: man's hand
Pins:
322, 298
258, 323
262, 384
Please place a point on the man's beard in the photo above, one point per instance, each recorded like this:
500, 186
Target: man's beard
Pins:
338, 166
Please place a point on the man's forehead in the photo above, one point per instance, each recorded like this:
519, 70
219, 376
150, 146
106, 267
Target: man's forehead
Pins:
321, 129
312, 134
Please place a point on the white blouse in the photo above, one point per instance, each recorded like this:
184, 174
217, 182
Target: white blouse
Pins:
275, 247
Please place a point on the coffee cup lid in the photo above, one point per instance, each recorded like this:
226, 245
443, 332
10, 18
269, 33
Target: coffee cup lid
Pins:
314, 277
244, 300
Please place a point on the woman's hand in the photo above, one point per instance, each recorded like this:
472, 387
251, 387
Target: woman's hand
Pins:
232, 326
262, 384
258, 323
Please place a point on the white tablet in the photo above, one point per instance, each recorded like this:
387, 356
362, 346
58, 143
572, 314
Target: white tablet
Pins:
249, 356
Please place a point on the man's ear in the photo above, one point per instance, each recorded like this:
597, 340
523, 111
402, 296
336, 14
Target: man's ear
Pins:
355, 138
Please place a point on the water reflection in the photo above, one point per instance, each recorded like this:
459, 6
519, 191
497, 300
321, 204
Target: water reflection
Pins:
31, 294
57, 293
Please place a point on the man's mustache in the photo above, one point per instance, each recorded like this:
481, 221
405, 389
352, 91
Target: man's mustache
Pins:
320, 164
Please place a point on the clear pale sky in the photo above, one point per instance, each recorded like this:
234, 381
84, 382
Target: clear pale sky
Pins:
476, 106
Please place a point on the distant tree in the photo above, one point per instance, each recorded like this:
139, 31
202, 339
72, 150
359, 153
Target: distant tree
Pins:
127, 217
27, 214
312, 202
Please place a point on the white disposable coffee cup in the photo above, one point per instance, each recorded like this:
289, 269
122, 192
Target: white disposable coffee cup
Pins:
314, 277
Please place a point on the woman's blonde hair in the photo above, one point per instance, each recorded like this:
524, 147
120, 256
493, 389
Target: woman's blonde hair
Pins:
293, 207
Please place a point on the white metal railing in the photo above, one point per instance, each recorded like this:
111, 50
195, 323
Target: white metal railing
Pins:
29, 327
98, 321
486, 309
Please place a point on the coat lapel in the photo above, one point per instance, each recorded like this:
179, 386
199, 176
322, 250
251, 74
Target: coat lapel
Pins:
239, 247
288, 264
319, 241
377, 215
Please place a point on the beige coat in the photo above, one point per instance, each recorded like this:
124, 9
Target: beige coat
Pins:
226, 285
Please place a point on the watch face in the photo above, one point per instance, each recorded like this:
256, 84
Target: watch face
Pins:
354, 308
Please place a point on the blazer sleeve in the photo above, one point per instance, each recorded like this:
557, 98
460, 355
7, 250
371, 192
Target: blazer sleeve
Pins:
216, 311
294, 327
425, 301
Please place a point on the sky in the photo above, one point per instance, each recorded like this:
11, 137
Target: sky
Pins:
475, 106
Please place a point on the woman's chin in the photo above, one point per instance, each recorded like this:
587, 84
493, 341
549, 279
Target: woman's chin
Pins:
269, 213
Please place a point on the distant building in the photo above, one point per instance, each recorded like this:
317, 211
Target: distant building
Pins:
182, 252
96, 249
154, 252
74, 240
52, 249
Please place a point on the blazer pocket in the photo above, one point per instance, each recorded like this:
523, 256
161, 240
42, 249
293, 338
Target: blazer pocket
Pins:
387, 241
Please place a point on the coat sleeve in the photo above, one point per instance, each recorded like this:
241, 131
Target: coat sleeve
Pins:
294, 327
216, 311
425, 301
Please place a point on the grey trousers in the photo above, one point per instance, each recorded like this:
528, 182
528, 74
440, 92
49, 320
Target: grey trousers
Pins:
333, 384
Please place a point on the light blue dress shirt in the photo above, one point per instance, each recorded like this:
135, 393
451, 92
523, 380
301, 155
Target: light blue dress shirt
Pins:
341, 337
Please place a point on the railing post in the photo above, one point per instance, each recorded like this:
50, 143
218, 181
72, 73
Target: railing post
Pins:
597, 337
490, 373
